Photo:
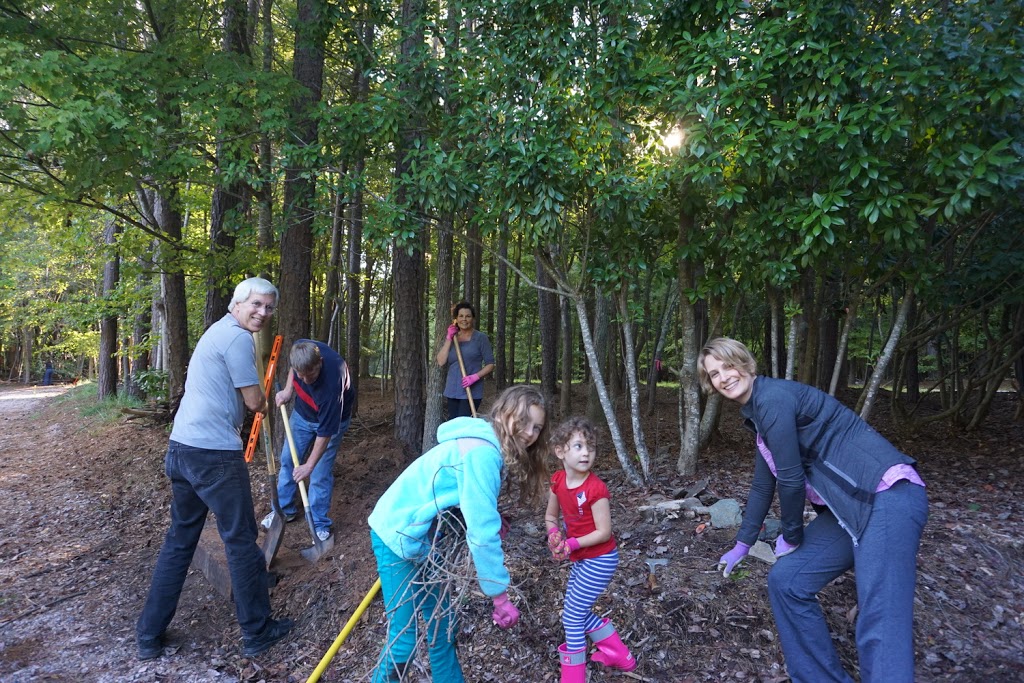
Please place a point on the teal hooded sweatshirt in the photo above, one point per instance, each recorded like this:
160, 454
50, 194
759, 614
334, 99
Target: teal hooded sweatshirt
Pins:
463, 470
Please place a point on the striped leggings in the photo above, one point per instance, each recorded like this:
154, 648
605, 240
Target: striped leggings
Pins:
587, 580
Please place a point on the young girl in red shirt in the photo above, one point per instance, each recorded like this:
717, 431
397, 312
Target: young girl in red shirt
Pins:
582, 498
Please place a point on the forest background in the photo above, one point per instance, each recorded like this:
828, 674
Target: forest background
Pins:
610, 183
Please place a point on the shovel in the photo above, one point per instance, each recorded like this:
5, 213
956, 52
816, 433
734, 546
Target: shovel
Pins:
319, 547
272, 539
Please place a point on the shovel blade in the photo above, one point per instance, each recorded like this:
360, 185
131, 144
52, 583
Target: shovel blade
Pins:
272, 539
318, 550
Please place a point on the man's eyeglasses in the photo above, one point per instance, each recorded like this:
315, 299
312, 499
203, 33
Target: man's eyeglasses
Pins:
267, 308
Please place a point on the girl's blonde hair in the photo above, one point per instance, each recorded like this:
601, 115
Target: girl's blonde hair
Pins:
524, 466
731, 353
561, 434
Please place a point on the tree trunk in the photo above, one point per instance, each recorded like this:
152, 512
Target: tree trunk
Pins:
27, 336
407, 271
871, 390
106, 386
311, 27
229, 192
812, 292
602, 392
666, 324
794, 335
175, 305
331, 303
353, 286
601, 328
844, 342
775, 332
501, 313
353, 319
689, 383
514, 307
436, 375
366, 312
474, 264
265, 188
140, 330
632, 383
565, 404
547, 311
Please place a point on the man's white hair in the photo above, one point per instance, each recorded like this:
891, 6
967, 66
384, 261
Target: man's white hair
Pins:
250, 286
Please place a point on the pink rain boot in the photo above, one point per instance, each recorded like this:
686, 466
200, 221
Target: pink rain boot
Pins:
574, 665
610, 650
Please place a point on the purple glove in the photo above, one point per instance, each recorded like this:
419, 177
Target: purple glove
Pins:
572, 544
452, 331
470, 380
505, 614
733, 558
503, 531
782, 548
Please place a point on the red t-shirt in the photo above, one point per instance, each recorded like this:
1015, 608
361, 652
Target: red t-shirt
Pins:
577, 511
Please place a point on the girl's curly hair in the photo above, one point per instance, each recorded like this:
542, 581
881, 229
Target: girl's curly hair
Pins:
525, 467
561, 434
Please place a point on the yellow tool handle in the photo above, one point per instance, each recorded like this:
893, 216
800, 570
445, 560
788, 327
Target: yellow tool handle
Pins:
294, 452
333, 649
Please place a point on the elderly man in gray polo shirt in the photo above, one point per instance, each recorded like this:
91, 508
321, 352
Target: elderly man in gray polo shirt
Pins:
208, 472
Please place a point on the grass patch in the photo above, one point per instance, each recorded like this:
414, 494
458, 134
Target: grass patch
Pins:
83, 400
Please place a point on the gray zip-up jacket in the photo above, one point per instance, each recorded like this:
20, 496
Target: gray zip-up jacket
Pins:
813, 439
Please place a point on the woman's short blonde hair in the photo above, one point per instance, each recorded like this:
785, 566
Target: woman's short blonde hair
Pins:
731, 353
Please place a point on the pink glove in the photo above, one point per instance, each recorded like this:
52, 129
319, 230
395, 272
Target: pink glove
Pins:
733, 558
503, 531
564, 551
505, 614
555, 542
470, 380
452, 331
782, 548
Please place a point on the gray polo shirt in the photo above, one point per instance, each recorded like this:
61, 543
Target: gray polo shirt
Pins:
211, 411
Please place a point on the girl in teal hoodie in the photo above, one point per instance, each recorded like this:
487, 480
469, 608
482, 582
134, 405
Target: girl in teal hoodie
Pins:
464, 470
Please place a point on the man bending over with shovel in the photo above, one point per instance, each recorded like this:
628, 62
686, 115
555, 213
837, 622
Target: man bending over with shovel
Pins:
208, 472
319, 382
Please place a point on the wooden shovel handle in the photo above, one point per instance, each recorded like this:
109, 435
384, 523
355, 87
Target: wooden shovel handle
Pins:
462, 367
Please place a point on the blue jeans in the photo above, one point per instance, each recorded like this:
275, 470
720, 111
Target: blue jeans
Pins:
204, 480
404, 595
459, 407
321, 480
885, 570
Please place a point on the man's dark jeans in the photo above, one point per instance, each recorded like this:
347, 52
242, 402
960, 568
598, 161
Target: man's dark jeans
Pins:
203, 480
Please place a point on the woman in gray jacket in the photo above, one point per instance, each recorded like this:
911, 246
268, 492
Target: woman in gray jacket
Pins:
871, 506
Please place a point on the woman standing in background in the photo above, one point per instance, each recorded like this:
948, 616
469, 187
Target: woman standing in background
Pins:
477, 359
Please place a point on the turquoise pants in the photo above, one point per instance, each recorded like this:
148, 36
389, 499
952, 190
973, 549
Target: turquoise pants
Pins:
405, 596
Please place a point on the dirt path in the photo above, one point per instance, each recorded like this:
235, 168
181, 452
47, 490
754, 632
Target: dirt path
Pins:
75, 553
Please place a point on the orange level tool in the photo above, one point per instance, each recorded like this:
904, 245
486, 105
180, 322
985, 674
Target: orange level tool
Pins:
268, 381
